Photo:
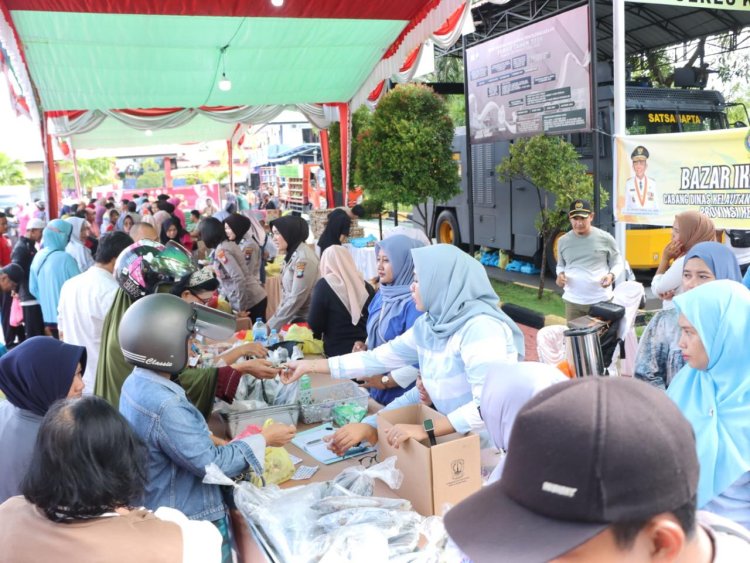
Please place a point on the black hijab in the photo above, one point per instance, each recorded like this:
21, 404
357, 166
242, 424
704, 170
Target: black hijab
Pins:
39, 371
165, 227
295, 231
339, 223
239, 224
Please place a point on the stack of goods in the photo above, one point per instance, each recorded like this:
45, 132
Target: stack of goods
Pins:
319, 220
337, 520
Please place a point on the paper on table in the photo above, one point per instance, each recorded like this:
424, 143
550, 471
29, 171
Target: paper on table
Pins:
311, 441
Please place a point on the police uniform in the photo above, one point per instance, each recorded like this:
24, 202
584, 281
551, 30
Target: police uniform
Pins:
641, 196
241, 289
298, 278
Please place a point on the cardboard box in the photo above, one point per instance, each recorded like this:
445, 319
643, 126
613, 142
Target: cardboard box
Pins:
433, 476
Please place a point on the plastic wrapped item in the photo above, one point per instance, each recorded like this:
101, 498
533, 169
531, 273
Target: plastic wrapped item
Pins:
347, 413
324, 399
355, 543
361, 481
438, 547
390, 522
335, 503
405, 542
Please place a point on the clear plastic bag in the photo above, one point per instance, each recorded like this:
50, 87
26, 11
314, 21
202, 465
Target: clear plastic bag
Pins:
361, 481
354, 543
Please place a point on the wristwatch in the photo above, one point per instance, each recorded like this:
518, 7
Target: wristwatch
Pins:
385, 380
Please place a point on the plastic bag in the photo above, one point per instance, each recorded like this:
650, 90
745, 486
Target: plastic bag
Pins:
361, 481
354, 543
347, 413
278, 464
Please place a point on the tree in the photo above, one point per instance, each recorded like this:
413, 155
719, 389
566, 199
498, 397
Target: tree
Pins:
553, 167
360, 121
91, 171
405, 154
12, 171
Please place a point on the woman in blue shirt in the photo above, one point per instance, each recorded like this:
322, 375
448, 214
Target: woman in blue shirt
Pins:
462, 338
712, 390
391, 313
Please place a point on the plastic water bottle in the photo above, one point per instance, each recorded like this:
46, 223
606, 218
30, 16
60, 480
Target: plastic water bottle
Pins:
260, 333
273, 338
305, 390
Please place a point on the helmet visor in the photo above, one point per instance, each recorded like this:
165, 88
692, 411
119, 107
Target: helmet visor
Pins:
213, 324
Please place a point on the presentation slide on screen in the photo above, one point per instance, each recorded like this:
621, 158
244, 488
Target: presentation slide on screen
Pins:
534, 80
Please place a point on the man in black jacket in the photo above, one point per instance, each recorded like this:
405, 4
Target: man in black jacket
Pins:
23, 254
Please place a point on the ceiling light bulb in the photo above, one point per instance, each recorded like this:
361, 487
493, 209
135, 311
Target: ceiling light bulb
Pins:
277, 3
149, 132
225, 84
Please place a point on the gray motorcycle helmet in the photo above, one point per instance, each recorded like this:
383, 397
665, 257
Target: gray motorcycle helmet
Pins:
154, 331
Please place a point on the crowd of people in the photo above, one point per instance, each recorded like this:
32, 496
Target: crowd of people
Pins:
104, 436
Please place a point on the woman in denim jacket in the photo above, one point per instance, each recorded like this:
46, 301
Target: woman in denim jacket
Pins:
178, 440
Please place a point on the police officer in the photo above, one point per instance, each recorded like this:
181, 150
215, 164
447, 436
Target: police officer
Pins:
640, 190
300, 271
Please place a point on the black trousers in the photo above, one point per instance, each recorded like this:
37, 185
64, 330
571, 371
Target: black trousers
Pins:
33, 320
259, 310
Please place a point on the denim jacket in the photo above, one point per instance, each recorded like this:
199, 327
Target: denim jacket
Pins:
179, 447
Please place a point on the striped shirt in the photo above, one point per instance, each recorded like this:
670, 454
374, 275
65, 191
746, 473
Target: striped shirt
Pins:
453, 376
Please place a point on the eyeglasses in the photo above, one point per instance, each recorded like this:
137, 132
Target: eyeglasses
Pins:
201, 299
367, 461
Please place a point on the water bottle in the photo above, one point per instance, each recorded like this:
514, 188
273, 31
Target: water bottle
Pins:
305, 390
273, 338
260, 334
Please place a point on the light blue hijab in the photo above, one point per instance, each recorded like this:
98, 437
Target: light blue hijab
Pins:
397, 294
454, 289
722, 261
715, 401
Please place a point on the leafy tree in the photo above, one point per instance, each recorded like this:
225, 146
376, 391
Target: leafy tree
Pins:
150, 165
150, 179
360, 120
12, 171
91, 171
405, 154
553, 167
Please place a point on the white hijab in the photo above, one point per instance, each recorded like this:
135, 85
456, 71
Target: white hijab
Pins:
75, 247
338, 269
504, 394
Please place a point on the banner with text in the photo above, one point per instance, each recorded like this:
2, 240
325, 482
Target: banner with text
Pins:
740, 5
531, 81
659, 176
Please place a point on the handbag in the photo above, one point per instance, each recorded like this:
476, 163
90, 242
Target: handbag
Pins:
608, 311
16, 312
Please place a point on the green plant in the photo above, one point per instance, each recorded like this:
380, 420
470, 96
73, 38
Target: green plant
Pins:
150, 179
92, 172
405, 154
553, 167
12, 171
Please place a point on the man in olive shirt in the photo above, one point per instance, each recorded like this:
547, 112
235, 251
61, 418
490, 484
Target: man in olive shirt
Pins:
588, 262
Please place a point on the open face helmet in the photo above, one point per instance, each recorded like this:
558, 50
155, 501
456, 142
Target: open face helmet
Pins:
146, 264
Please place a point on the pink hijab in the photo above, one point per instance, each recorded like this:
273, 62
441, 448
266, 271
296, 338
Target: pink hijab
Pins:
176, 201
338, 268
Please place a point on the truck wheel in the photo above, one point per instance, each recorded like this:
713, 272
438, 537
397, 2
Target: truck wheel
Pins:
446, 229
552, 251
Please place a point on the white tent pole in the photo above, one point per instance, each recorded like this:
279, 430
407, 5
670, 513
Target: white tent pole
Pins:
618, 36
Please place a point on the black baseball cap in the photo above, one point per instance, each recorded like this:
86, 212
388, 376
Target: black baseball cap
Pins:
583, 454
580, 208
14, 272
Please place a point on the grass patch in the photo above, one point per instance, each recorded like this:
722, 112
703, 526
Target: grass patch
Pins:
525, 296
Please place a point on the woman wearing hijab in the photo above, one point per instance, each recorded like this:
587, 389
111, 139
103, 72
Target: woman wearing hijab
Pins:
462, 339
50, 269
299, 273
336, 230
172, 230
712, 390
175, 202
338, 308
504, 395
659, 357
159, 217
391, 313
241, 230
690, 228
33, 375
76, 248
241, 289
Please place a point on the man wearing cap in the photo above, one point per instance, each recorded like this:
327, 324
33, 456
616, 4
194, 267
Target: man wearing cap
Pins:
588, 262
640, 190
23, 254
598, 470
